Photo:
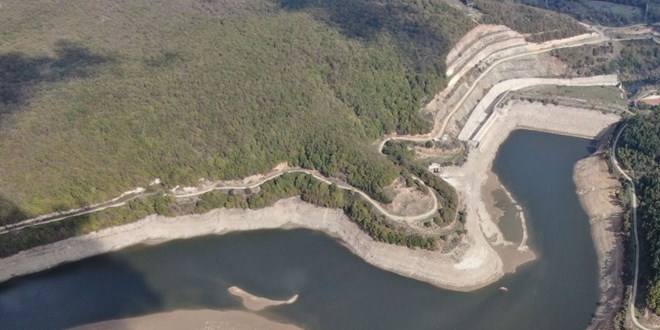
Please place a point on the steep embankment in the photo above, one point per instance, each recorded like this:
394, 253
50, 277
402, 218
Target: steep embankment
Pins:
637, 148
484, 108
489, 55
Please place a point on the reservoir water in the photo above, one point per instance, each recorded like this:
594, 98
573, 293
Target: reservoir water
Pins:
337, 290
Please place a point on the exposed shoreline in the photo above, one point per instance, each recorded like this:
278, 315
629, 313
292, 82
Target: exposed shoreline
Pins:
596, 188
470, 178
481, 258
473, 265
442, 270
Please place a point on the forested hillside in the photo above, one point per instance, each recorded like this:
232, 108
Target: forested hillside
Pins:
539, 24
98, 97
639, 150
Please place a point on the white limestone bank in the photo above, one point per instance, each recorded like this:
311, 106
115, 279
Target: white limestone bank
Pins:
476, 267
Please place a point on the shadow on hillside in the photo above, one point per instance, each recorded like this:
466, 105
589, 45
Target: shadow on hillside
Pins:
9, 212
367, 20
29, 237
20, 73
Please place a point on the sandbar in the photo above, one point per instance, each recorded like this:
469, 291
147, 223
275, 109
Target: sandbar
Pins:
256, 303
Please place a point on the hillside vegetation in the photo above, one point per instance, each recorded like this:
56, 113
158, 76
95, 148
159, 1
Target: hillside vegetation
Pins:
539, 24
634, 62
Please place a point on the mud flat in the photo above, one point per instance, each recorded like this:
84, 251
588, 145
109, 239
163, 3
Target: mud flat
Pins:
513, 252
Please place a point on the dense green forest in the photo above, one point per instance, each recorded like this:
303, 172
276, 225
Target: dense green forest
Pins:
541, 25
604, 12
639, 150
